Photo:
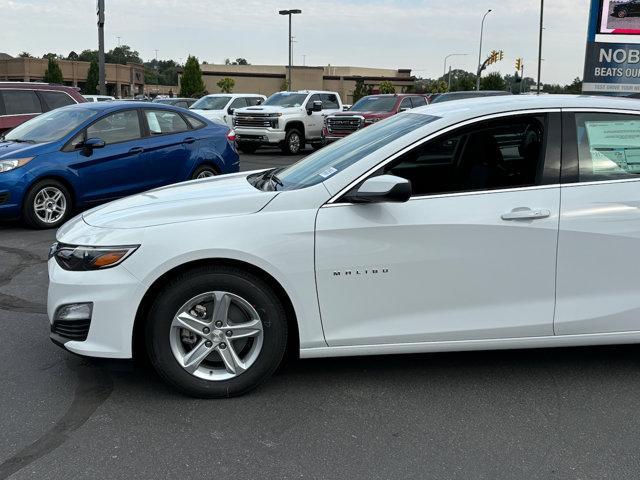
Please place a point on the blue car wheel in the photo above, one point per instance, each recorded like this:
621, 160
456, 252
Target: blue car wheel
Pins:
47, 205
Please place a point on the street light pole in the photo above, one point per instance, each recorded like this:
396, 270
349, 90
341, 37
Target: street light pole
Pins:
540, 44
102, 87
480, 50
289, 13
445, 66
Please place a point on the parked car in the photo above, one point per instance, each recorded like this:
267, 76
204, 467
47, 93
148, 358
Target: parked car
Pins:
99, 98
367, 111
450, 96
176, 102
439, 229
286, 119
84, 154
219, 107
623, 9
20, 101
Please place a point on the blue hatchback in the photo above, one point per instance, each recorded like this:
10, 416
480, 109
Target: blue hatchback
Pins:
80, 155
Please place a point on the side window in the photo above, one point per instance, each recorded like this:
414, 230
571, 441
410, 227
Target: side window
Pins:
19, 102
418, 101
329, 101
56, 99
194, 122
505, 153
238, 103
608, 146
406, 103
165, 121
314, 98
117, 127
181, 104
253, 101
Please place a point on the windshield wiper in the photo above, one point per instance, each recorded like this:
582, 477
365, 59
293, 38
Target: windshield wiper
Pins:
270, 179
19, 140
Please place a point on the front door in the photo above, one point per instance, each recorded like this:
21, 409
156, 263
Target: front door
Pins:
598, 265
471, 256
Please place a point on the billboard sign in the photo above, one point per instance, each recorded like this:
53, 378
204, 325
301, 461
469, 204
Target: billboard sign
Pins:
612, 62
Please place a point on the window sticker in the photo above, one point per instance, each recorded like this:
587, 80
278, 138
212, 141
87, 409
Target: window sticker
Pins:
614, 146
154, 125
328, 172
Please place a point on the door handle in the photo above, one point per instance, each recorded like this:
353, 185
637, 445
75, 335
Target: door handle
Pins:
136, 150
524, 213
189, 140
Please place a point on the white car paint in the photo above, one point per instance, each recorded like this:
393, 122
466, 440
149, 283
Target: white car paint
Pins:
458, 275
222, 115
99, 98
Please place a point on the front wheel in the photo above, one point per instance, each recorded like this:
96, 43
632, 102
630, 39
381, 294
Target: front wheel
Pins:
47, 204
293, 142
216, 332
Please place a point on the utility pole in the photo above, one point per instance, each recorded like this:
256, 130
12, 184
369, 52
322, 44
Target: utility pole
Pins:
289, 13
540, 43
101, 81
157, 74
445, 66
118, 40
480, 50
304, 59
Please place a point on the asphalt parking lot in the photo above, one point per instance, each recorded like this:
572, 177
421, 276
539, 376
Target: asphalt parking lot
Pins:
538, 414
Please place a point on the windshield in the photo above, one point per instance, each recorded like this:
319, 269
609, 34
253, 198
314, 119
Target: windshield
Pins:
338, 156
374, 104
285, 99
50, 126
210, 103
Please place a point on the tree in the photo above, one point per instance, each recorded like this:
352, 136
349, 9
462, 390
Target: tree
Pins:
238, 61
226, 84
438, 86
387, 87
73, 56
361, 90
49, 55
461, 80
53, 74
493, 81
88, 56
191, 83
123, 55
162, 72
25, 55
91, 87
575, 87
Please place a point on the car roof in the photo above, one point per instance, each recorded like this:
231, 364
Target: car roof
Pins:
121, 104
480, 106
234, 95
37, 86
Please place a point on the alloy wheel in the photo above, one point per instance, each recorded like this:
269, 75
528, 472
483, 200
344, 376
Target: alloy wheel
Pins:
216, 336
294, 143
50, 205
205, 174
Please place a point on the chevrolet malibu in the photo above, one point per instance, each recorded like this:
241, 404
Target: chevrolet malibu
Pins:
491, 223
81, 155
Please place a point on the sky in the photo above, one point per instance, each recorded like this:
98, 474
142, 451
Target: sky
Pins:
414, 34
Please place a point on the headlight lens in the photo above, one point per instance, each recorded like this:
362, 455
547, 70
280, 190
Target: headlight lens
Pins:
372, 120
82, 259
6, 165
279, 114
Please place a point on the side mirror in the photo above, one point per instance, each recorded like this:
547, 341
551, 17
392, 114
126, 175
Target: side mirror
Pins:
259, 101
316, 107
384, 188
404, 109
90, 144
230, 111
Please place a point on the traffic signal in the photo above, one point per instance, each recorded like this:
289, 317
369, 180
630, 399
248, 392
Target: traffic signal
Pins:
518, 64
501, 55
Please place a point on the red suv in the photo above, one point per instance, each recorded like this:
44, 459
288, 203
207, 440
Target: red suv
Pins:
20, 101
368, 110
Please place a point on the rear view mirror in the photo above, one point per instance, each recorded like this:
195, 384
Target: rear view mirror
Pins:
384, 188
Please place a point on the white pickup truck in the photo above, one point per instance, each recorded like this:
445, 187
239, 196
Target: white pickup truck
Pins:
286, 119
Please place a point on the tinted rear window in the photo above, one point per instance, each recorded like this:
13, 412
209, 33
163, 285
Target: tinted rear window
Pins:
20, 102
56, 99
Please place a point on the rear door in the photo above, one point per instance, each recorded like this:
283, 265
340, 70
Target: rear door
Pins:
168, 146
599, 240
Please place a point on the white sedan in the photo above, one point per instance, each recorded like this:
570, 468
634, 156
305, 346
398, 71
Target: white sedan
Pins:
491, 223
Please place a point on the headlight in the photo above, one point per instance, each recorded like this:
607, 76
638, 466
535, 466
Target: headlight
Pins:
81, 259
372, 120
6, 165
275, 114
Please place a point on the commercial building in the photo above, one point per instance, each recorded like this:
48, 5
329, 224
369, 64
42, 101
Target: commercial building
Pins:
122, 80
267, 79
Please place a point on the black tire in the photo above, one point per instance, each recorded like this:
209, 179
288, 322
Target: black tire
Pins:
248, 148
293, 142
204, 171
622, 13
29, 214
318, 145
202, 280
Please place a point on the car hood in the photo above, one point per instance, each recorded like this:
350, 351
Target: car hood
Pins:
350, 113
227, 195
18, 150
267, 109
208, 113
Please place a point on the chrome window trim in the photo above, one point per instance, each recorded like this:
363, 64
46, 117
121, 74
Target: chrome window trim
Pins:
334, 199
601, 110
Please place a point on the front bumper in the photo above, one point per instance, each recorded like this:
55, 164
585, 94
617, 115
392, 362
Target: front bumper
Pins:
13, 185
115, 294
263, 136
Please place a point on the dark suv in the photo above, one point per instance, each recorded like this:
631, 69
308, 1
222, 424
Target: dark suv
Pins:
20, 101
